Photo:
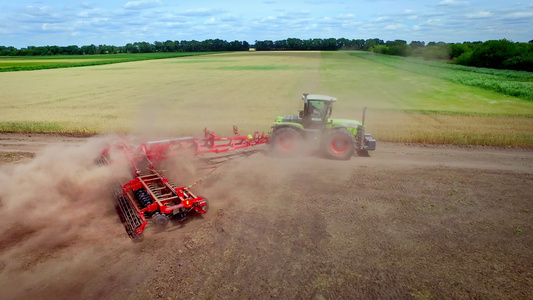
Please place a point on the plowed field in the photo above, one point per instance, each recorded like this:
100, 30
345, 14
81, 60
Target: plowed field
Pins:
409, 222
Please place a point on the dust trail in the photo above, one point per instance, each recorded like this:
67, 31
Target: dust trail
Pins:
265, 217
52, 208
61, 236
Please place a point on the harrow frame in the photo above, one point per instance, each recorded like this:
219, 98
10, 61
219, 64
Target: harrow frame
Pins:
150, 195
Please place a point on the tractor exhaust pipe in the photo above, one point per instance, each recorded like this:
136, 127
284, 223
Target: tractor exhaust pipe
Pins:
364, 113
362, 132
366, 141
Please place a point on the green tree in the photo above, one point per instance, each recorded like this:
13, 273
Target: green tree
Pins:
457, 50
492, 54
370, 43
398, 47
381, 49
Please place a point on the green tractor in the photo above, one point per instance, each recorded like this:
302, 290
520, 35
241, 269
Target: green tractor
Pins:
335, 138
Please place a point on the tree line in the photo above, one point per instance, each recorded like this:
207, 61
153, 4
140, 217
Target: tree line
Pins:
211, 45
498, 54
317, 44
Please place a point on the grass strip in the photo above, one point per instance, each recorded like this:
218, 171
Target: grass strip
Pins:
36, 62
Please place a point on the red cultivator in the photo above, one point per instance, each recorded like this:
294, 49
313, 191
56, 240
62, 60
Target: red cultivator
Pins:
149, 195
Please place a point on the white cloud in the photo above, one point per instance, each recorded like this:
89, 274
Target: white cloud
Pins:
396, 26
269, 18
382, 19
201, 12
409, 14
177, 24
346, 16
210, 21
453, 3
33, 14
480, 14
142, 4
89, 13
52, 27
37, 11
520, 15
433, 22
83, 14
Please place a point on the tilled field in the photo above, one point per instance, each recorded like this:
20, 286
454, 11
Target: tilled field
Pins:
409, 222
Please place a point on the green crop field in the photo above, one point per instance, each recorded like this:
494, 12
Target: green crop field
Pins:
410, 104
407, 100
509, 82
22, 63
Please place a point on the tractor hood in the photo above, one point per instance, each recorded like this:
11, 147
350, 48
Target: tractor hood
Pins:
294, 119
344, 123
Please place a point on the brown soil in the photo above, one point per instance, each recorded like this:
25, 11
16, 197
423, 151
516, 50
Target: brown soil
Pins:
409, 222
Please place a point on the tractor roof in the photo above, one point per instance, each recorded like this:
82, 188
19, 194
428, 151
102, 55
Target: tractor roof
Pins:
321, 98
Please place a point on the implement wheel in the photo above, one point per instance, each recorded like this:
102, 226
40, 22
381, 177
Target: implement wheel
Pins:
286, 141
206, 206
161, 219
339, 144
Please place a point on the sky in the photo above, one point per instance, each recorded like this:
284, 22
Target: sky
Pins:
62, 23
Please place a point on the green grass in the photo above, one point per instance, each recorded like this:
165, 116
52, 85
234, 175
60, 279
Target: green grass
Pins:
47, 127
23, 127
508, 82
464, 113
383, 86
256, 68
26, 63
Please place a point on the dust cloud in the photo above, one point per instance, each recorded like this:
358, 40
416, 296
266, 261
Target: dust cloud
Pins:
53, 208
62, 238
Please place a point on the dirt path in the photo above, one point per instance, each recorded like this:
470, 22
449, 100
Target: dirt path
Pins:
409, 222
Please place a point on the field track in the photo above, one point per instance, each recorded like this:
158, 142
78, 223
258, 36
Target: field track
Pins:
409, 222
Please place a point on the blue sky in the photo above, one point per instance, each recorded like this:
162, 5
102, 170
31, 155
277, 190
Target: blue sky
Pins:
38, 23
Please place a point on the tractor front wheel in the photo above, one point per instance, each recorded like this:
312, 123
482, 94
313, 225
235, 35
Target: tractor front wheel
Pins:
286, 141
339, 144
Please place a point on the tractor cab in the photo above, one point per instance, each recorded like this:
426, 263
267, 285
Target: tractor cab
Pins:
317, 110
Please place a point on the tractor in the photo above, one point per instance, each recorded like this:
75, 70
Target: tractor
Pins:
334, 138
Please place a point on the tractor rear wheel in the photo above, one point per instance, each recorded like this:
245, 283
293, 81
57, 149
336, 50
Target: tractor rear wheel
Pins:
339, 144
286, 141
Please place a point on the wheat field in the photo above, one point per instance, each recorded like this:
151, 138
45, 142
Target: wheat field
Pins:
178, 96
